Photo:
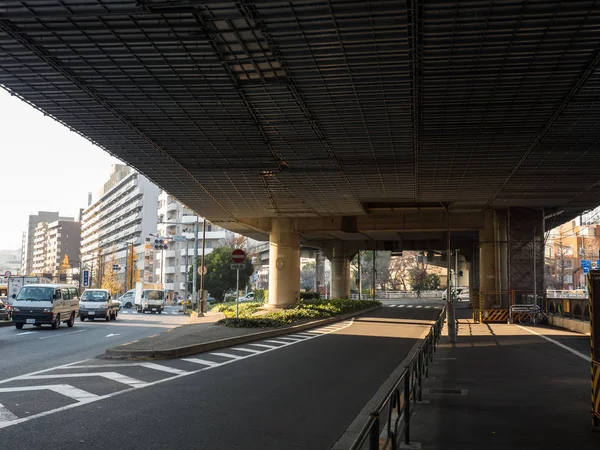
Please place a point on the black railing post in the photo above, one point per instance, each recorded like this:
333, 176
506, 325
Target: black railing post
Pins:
407, 408
374, 436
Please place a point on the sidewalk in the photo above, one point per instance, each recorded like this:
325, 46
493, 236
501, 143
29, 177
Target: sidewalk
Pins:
503, 387
202, 334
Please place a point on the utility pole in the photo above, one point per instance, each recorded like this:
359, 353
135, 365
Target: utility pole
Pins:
195, 264
373, 274
126, 266
200, 303
451, 321
359, 279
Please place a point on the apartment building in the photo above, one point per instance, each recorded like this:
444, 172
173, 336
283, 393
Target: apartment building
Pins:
566, 246
124, 214
176, 229
29, 236
52, 242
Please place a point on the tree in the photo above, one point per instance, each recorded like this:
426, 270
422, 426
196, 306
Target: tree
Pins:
382, 269
132, 273
400, 267
220, 278
109, 278
308, 274
420, 280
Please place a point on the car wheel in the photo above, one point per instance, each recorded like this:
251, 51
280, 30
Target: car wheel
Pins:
71, 320
82, 318
128, 305
56, 323
19, 326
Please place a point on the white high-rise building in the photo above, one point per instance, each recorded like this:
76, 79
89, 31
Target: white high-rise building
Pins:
171, 265
125, 213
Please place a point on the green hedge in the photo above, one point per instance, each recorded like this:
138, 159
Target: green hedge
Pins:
261, 295
307, 309
309, 296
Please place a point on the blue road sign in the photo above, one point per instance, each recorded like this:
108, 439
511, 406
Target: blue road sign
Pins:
586, 265
86, 278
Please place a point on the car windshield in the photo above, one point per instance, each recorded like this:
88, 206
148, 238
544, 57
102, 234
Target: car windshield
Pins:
36, 293
94, 296
154, 294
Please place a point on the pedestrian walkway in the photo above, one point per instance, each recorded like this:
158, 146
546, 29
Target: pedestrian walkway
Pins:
504, 387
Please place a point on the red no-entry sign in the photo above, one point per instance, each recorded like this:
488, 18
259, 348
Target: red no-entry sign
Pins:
238, 256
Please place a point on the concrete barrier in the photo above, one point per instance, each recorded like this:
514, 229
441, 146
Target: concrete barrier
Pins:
569, 324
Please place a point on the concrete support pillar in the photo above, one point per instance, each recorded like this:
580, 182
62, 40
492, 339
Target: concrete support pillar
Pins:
340, 271
493, 273
284, 264
320, 270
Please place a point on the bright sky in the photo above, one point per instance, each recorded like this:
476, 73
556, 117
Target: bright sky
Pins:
43, 167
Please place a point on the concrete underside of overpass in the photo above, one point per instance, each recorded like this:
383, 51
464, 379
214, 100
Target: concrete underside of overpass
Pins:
340, 124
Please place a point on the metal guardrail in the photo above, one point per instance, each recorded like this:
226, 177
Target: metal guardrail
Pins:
396, 407
579, 293
570, 308
395, 295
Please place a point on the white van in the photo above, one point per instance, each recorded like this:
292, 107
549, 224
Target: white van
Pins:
51, 304
97, 304
152, 300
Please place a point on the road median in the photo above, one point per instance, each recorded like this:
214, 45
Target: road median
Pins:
179, 341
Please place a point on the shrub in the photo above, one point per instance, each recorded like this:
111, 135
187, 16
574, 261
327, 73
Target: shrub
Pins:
261, 295
255, 322
309, 296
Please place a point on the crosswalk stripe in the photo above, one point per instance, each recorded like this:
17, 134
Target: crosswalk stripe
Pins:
248, 350
392, 306
264, 345
201, 361
63, 389
401, 306
6, 415
114, 376
419, 306
272, 341
303, 334
409, 306
291, 339
163, 368
226, 355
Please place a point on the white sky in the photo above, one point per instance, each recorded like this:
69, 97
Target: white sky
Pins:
43, 167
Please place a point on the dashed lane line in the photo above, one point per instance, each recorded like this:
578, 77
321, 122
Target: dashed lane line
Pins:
63, 334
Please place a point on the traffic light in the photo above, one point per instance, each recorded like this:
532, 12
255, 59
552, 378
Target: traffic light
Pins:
159, 244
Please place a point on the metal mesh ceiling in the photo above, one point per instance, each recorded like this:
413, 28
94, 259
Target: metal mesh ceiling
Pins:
263, 108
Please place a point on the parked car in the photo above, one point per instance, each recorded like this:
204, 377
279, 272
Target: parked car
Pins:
462, 294
128, 299
249, 297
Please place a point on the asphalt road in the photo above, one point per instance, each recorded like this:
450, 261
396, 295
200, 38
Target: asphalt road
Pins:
298, 391
32, 349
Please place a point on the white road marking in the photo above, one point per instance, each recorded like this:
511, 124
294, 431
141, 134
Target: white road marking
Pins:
227, 355
112, 334
201, 361
569, 349
6, 415
84, 397
265, 346
163, 368
174, 312
409, 306
419, 306
247, 350
63, 334
114, 376
392, 306
401, 306
303, 334
290, 338
272, 341
63, 389
26, 332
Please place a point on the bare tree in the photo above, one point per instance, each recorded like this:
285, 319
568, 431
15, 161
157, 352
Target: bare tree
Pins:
400, 270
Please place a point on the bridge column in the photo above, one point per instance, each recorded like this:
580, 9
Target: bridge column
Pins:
340, 271
284, 264
493, 273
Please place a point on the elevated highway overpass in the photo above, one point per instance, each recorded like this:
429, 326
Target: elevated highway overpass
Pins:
343, 124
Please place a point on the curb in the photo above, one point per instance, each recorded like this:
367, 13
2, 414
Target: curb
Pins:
177, 352
6, 323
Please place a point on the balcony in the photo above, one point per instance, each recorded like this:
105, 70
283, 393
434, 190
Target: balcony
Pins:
172, 206
170, 254
169, 286
169, 270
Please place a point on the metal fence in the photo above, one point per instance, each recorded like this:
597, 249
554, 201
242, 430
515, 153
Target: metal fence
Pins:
571, 308
395, 295
388, 425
